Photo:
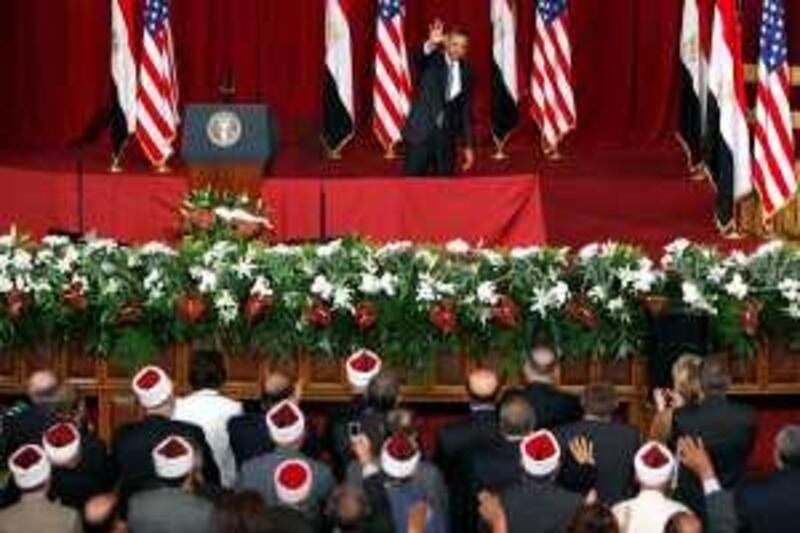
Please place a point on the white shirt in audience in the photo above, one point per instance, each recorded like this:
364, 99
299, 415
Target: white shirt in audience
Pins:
648, 512
210, 410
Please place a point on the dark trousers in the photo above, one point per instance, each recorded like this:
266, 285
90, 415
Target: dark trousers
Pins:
435, 156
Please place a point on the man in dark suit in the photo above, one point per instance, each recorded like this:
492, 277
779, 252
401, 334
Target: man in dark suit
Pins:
459, 440
552, 406
727, 429
441, 113
497, 464
771, 506
133, 443
615, 443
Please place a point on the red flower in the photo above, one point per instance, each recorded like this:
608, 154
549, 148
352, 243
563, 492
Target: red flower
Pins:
75, 297
749, 319
201, 218
443, 316
16, 302
506, 312
365, 315
191, 308
579, 310
246, 229
255, 307
319, 315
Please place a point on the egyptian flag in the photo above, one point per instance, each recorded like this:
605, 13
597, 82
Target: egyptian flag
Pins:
694, 81
505, 90
337, 99
728, 136
123, 73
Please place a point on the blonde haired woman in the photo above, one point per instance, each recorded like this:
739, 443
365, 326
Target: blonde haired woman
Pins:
686, 390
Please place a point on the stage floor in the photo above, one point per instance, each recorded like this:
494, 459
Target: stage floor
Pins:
644, 196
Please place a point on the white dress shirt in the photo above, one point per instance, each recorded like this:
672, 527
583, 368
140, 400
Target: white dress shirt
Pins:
210, 410
648, 512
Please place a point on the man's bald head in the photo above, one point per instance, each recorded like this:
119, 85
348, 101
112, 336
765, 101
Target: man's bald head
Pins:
483, 385
277, 386
684, 522
42, 385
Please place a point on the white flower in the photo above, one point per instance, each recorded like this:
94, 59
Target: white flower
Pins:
425, 290
694, 298
616, 304
327, 250
22, 260
244, 268
768, 248
389, 284
793, 310
790, 289
112, 287
6, 284
261, 288
426, 256
589, 251
492, 257
546, 299
370, 284
737, 287
342, 297
487, 293
54, 241
738, 258
520, 253
101, 245
156, 248
283, 249
448, 289
678, 246
598, 293
394, 247
227, 307
206, 279
321, 287
717, 273
458, 247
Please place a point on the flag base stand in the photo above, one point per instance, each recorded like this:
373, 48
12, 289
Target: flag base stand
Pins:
116, 165
390, 154
698, 174
162, 169
334, 155
500, 154
553, 155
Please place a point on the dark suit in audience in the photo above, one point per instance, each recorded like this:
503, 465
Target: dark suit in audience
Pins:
94, 474
536, 505
771, 506
553, 407
169, 510
728, 431
134, 443
615, 445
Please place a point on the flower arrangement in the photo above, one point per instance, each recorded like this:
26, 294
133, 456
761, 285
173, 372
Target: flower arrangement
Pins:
407, 302
223, 214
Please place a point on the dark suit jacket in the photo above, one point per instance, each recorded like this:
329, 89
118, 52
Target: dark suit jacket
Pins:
249, 437
430, 101
495, 466
456, 443
534, 506
553, 407
772, 505
95, 474
615, 445
134, 443
728, 431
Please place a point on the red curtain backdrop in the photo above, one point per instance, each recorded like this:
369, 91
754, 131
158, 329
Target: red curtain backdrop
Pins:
54, 55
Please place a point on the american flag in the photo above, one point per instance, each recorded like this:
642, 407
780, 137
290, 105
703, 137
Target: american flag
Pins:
773, 153
553, 107
391, 91
157, 105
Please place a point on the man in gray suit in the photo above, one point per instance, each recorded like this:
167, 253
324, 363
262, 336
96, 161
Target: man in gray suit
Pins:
171, 507
286, 425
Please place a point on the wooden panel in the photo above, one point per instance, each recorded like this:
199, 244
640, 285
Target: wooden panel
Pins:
575, 372
79, 366
783, 365
450, 370
244, 368
9, 367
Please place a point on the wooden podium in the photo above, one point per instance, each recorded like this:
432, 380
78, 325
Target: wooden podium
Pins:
228, 146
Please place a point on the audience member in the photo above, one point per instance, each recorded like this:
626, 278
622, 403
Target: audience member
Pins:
771, 505
615, 443
686, 390
552, 407
26, 422
286, 424
366, 413
652, 508
593, 518
497, 464
133, 443
727, 429
463, 438
207, 408
352, 509
172, 506
537, 503
34, 511
81, 466
249, 436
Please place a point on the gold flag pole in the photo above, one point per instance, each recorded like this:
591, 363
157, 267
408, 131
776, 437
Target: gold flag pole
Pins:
117, 159
499, 145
